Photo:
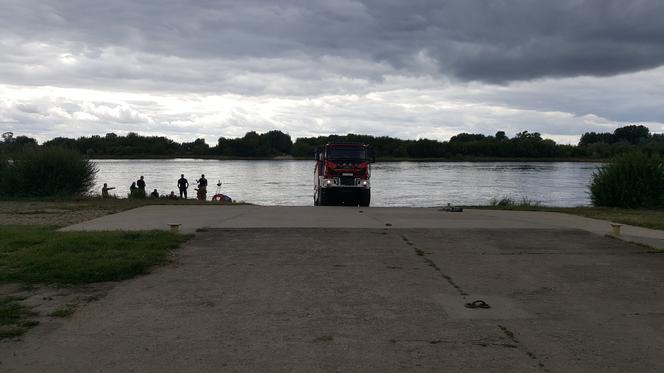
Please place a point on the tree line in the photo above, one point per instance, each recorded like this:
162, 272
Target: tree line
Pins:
276, 143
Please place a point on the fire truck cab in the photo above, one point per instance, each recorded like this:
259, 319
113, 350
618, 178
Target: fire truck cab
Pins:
342, 175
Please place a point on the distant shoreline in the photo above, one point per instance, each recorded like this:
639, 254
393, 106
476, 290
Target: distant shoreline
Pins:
390, 159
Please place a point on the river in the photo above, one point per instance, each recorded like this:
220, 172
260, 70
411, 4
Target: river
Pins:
415, 184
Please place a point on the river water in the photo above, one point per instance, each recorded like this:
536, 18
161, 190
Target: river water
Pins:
415, 184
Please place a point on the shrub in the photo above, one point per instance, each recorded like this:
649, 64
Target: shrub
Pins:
46, 172
630, 180
508, 202
8, 178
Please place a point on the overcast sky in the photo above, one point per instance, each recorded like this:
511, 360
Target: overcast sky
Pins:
404, 68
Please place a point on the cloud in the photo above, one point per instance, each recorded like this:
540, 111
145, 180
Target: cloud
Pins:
419, 68
422, 110
491, 41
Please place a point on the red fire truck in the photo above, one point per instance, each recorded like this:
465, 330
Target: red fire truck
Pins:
342, 174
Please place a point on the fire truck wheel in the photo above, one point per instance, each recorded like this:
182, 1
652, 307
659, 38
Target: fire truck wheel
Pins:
365, 198
324, 197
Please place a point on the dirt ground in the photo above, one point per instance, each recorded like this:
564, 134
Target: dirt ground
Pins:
67, 212
56, 214
50, 304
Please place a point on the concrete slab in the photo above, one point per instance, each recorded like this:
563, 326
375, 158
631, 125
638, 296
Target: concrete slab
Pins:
247, 216
374, 299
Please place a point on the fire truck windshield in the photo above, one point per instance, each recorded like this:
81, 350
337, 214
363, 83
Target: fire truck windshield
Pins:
354, 153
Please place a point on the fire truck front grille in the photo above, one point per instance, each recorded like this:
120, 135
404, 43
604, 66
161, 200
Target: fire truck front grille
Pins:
347, 180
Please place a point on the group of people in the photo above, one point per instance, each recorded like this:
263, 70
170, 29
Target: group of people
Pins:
137, 189
183, 185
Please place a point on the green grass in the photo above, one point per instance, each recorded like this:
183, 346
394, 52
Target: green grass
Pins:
648, 218
30, 254
14, 318
11, 332
65, 311
637, 217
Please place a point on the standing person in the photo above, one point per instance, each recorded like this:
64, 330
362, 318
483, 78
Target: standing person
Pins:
183, 184
105, 189
141, 184
202, 182
132, 188
202, 188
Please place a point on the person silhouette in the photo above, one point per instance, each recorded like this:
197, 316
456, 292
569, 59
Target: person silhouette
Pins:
105, 189
141, 184
183, 184
202, 188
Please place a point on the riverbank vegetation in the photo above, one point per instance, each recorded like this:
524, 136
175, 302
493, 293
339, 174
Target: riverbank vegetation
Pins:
643, 217
630, 180
523, 145
45, 172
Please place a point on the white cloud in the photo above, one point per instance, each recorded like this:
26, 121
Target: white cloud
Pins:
398, 107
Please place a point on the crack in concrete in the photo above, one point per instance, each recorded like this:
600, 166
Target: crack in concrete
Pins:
510, 335
481, 343
433, 265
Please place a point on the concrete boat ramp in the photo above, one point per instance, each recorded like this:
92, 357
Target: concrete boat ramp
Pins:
296, 289
192, 218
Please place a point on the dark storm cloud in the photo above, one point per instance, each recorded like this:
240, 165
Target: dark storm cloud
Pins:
496, 41
406, 68
487, 40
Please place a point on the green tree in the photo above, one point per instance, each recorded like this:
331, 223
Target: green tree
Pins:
632, 134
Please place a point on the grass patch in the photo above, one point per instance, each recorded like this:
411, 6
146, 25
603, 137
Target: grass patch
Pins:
647, 218
11, 332
38, 212
64, 212
637, 217
507, 202
35, 206
11, 311
65, 311
31, 254
14, 318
